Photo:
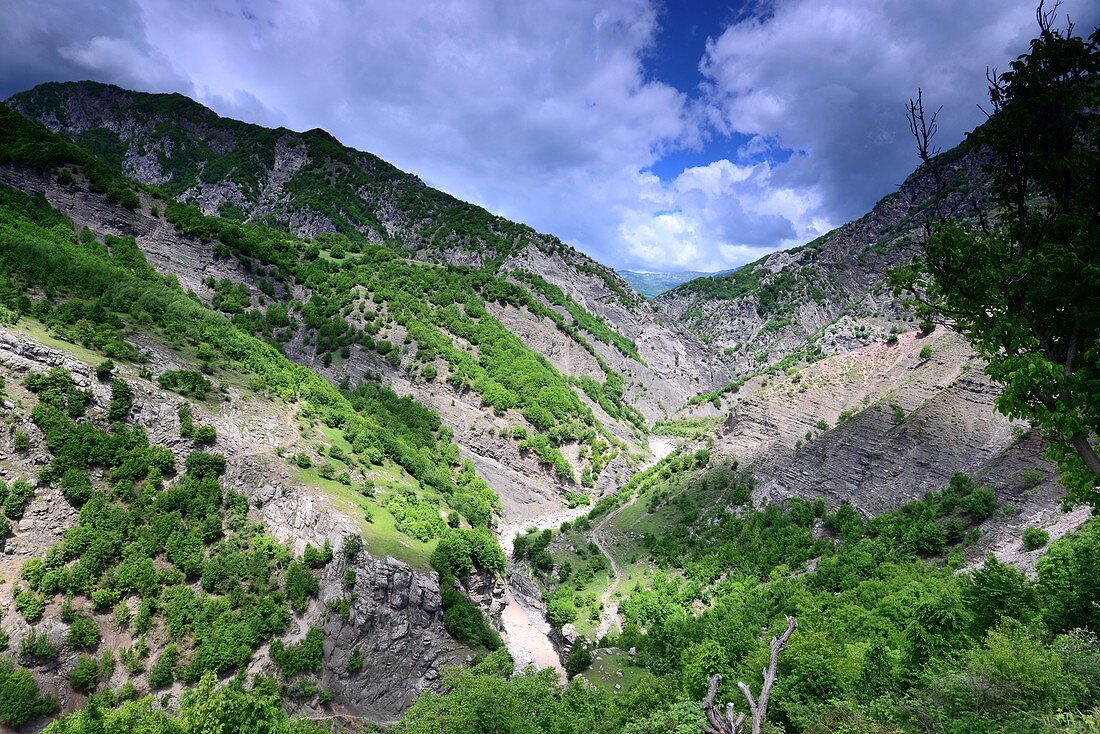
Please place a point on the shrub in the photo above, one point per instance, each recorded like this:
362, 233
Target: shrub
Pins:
21, 442
20, 700
205, 434
104, 369
980, 503
187, 383
926, 352
83, 633
578, 661
36, 647
300, 585
299, 658
122, 400
76, 485
19, 494
164, 669
1035, 538
303, 460
202, 464
317, 557
85, 676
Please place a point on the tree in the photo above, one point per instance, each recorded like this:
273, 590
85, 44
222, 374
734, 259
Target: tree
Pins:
1020, 281
758, 707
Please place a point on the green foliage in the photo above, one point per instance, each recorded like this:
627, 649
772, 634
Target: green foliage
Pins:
164, 669
17, 495
1022, 289
1035, 538
20, 699
188, 383
85, 674
122, 400
83, 632
300, 657
317, 557
578, 661
300, 585
36, 647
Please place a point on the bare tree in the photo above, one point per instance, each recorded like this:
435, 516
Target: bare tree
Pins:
758, 707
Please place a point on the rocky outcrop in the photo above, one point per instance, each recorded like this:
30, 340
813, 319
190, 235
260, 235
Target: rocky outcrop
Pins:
394, 618
880, 426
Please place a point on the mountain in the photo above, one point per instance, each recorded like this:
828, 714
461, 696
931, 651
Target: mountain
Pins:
348, 447
652, 285
566, 350
830, 295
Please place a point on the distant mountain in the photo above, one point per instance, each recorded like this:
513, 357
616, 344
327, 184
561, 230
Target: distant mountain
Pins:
652, 285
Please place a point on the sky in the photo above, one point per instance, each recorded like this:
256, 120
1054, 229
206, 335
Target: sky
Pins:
657, 135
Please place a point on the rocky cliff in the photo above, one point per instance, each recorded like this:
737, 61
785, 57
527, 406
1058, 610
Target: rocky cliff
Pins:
394, 620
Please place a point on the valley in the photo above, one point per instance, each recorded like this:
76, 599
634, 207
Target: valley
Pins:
286, 429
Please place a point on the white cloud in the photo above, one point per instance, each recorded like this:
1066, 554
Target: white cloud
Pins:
545, 112
831, 79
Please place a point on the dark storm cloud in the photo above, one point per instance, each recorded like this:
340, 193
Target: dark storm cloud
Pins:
69, 41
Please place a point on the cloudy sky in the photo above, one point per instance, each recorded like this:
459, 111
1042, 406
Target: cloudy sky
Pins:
652, 134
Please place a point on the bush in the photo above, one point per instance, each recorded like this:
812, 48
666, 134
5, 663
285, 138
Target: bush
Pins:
204, 434
83, 633
122, 400
21, 442
202, 464
104, 369
578, 661
36, 647
317, 557
980, 503
1035, 538
76, 485
926, 352
299, 658
164, 669
20, 700
187, 383
19, 494
85, 676
300, 585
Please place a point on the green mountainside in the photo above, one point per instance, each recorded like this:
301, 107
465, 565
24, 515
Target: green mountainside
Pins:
652, 285
271, 408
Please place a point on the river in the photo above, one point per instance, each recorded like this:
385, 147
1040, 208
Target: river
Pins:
526, 630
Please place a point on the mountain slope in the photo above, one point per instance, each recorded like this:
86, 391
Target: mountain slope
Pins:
186, 501
309, 184
829, 295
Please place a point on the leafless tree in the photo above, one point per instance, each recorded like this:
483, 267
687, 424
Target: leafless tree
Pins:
718, 723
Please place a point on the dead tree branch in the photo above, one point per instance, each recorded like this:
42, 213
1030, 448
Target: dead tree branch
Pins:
758, 707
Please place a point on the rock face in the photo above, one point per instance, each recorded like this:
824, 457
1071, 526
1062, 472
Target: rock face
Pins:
395, 620
880, 426
676, 365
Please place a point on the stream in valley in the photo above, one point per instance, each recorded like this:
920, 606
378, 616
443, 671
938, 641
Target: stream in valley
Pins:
526, 629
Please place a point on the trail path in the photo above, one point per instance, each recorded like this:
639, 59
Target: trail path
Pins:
527, 630
659, 448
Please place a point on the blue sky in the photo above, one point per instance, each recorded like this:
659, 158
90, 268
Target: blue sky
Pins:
651, 134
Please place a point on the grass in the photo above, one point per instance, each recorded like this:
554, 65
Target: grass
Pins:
380, 535
38, 331
603, 672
